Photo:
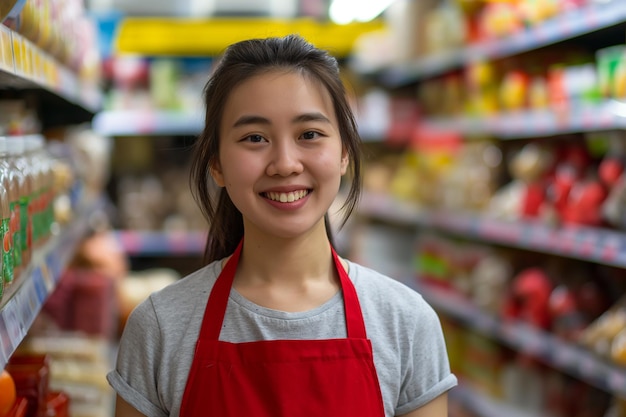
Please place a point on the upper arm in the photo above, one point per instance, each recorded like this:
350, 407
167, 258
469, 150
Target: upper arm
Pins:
435, 408
425, 367
123, 409
136, 371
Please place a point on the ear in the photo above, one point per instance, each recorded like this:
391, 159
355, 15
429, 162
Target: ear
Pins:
216, 172
345, 161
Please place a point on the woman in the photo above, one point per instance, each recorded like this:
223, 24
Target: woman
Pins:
277, 324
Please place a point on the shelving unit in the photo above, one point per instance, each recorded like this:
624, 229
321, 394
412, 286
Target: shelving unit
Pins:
583, 117
590, 28
603, 246
137, 243
61, 98
572, 24
25, 66
24, 299
566, 357
589, 244
128, 123
484, 406
148, 123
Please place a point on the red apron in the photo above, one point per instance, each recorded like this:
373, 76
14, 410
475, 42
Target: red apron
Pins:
281, 378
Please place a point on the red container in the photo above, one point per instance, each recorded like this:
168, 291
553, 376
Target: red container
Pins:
58, 404
19, 408
31, 374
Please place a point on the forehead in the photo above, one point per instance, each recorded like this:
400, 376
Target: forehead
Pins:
278, 93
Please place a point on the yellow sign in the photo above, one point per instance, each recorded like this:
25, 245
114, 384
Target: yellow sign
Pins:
202, 37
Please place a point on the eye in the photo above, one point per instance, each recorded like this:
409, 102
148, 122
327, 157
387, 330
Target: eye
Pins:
310, 135
254, 138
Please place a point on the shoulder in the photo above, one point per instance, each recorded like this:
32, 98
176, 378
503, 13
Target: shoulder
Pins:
183, 298
384, 298
373, 284
199, 281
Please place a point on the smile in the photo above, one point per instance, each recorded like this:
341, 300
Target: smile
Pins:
289, 197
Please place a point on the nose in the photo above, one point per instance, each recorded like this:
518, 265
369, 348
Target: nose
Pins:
285, 159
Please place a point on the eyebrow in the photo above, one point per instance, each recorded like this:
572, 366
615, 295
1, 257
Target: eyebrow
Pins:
305, 117
311, 117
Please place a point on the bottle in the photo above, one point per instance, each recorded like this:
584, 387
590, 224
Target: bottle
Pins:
42, 182
31, 144
18, 205
7, 194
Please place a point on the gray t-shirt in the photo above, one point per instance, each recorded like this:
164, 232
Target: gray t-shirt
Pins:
159, 339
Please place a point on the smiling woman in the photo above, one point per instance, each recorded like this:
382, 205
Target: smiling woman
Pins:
281, 126
275, 304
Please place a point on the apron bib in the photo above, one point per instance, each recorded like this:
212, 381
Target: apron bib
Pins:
281, 378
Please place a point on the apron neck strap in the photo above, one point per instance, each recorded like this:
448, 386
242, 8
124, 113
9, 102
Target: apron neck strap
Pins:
355, 326
218, 300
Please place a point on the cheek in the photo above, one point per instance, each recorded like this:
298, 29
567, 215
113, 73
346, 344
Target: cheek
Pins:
240, 168
329, 164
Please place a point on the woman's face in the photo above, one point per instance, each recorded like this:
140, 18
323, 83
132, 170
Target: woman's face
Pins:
281, 156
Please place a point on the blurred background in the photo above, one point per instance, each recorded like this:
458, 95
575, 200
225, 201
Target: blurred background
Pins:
495, 144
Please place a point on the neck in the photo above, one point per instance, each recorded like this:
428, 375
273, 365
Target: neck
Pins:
278, 260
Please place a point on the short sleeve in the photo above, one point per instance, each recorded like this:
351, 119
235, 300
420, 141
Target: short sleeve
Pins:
426, 368
135, 375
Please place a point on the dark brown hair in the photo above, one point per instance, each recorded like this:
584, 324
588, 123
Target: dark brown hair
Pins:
240, 62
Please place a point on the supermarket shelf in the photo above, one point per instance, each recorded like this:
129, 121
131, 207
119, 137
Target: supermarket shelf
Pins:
24, 299
137, 243
147, 122
563, 356
565, 26
609, 115
591, 244
23, 65
483, 406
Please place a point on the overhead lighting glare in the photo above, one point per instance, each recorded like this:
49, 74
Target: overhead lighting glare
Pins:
347, 11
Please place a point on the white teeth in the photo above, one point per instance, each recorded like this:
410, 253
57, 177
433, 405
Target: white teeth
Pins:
287, 197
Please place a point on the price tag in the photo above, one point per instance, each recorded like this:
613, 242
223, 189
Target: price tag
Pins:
610, 249
564, 25
606, 120
3, 355
54, 265
587, 118
6, 347
536, 235
511, 335
591, 18
567, 241
587, 246
146, 122
177, 243
617, 381
541, 121
564, 356
13, 323
131, 241
541, 33
40, 286
483, 323
587, 366
28, 303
